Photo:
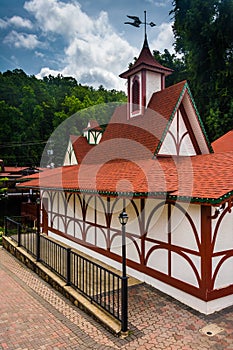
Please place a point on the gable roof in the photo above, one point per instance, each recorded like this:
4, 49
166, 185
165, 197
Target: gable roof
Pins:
135, 138
166, 102
141, 137
224, 143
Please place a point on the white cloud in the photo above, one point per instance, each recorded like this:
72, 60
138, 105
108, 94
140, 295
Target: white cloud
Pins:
22, 40
47, 71
165, 38
93, 51
20, 22
3, 24
85, 47
90, 49
16, 21
39, 54
59, 17
159, 3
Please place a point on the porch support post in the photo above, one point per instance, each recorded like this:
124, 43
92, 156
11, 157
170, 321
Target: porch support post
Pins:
123, 218
124, 305
206, 251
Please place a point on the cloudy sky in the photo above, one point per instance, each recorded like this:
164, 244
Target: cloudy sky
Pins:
86, 39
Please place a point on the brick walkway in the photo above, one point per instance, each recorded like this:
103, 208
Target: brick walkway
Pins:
34, 316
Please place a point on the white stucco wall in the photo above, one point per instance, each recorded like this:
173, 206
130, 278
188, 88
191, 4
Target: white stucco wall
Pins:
70, 158
174, 139
153, 84
222, 236
158, 239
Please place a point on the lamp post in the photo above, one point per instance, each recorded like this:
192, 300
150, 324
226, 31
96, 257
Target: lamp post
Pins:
123, 218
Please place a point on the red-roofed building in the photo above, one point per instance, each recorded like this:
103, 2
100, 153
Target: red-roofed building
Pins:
155, 162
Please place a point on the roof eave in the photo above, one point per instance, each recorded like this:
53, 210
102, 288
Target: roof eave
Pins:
134, 70
158, 194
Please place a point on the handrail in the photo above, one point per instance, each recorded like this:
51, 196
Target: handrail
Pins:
98, 283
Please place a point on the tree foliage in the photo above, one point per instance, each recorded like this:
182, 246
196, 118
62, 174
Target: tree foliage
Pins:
173, 62
31, 109
203, 33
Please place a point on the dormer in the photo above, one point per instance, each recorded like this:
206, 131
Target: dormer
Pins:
93, 132
145, 77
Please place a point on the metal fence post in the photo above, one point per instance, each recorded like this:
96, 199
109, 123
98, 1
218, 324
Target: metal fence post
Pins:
38, 230
19, 234
68, 267
5, 225
38, 246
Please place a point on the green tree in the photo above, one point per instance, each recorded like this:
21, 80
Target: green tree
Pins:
30, 110
203, 32
176, 64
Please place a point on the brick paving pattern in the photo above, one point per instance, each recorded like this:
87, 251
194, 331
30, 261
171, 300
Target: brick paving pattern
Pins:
35, 316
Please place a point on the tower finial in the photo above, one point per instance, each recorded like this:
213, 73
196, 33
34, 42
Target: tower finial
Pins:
145, 23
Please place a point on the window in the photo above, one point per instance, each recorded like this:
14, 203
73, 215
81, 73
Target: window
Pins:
135, 94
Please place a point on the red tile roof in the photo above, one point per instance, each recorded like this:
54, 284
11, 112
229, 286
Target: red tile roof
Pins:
204, 178
135, 138
138, 137
166, 101
14, 169
81, 147
36, 175
224, 143
209, 176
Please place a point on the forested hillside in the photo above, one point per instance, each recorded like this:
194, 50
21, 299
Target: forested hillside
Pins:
31, 109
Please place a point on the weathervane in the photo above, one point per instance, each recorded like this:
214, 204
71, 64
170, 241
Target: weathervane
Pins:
137, 22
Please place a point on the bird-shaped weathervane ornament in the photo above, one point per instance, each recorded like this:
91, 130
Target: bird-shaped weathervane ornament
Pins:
137, 22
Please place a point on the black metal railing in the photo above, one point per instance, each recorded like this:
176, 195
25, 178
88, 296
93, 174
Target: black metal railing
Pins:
12, 228
22, 232
99, 284
54, 256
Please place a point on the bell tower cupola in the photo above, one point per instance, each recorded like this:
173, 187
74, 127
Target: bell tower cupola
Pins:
144, 77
